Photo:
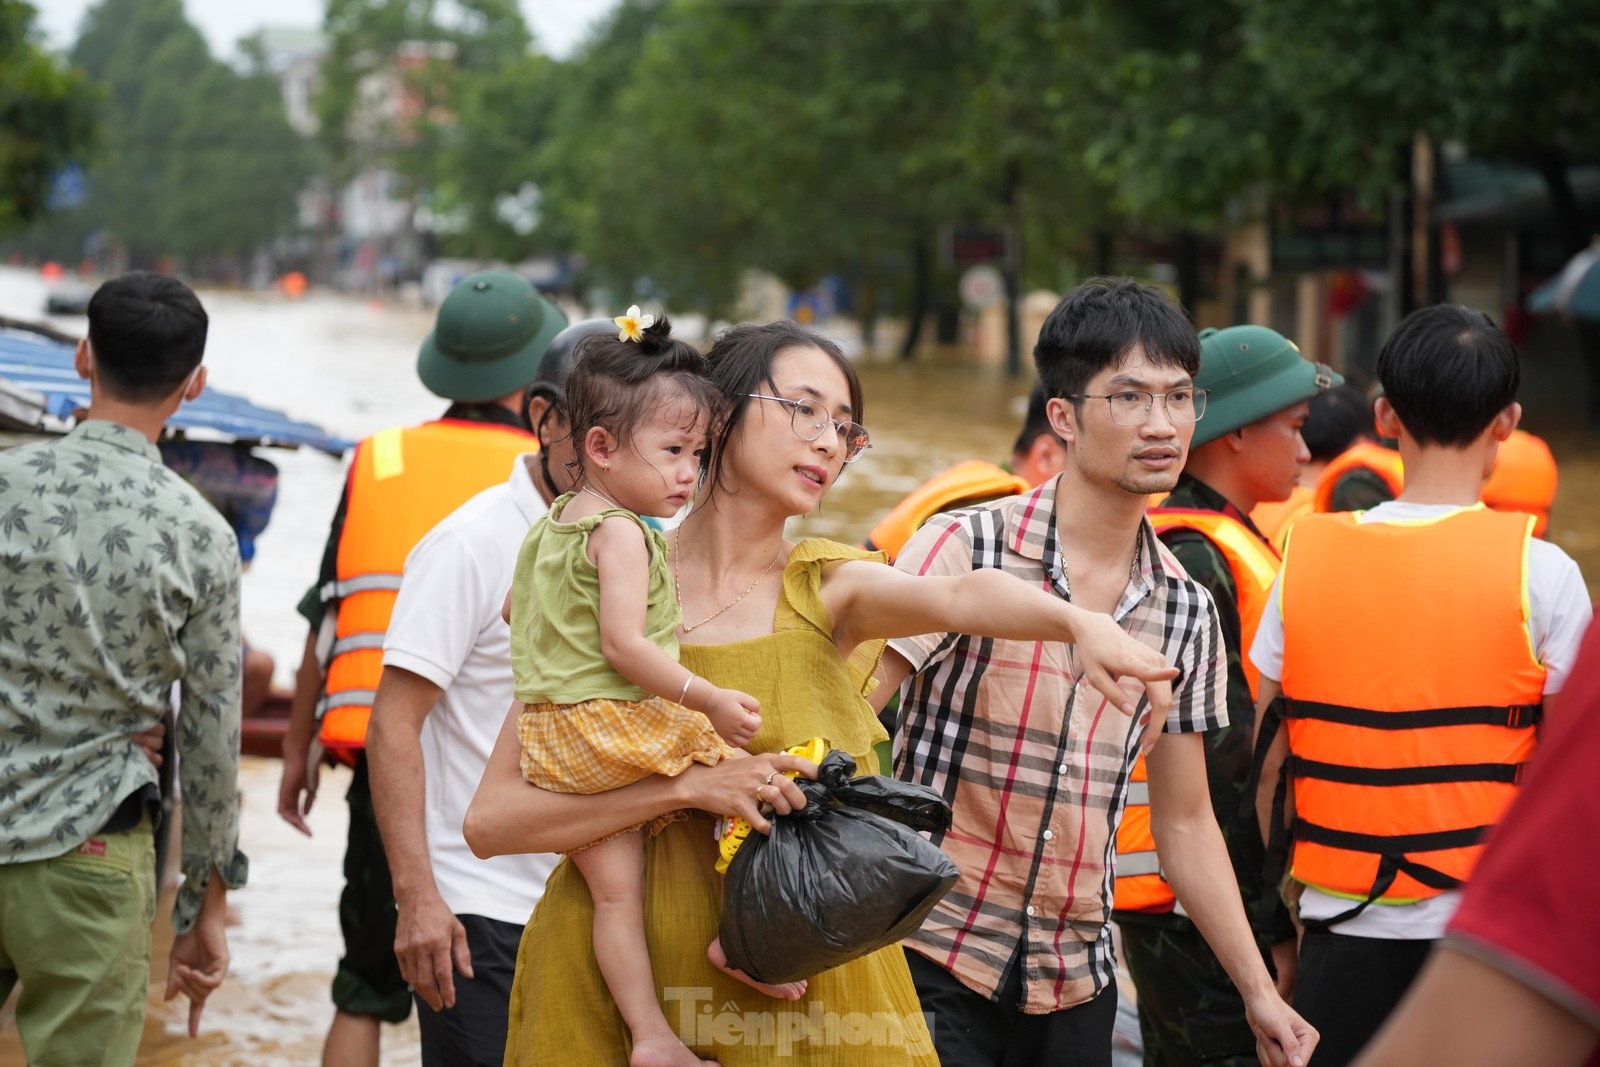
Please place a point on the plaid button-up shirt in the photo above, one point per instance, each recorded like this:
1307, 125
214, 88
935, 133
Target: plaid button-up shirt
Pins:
1035, 767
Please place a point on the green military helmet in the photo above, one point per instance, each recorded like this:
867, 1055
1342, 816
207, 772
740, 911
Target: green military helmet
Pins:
490, 334
1251, 372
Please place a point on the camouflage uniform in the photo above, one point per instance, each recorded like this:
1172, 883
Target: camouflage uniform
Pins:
1189, 1012
1359, 490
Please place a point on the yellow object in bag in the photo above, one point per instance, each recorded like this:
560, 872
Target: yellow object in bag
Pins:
731, 831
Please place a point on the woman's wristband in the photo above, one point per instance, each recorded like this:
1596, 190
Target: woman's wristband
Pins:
687, 682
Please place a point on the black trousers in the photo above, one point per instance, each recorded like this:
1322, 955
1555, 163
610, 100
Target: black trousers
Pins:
368, 981
1349, 985
970, 1030
473, 1033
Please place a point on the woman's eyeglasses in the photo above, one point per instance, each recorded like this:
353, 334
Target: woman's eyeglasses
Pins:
808, 421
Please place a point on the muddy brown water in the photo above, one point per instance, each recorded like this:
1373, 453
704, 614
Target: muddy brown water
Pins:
284, 939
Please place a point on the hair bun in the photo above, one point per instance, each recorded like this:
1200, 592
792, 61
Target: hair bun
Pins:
656, 338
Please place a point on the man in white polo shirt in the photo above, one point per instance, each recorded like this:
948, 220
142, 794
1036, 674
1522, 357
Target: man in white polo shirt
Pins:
445, 690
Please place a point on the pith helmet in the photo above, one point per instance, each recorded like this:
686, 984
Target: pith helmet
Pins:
488, 338
1251, 372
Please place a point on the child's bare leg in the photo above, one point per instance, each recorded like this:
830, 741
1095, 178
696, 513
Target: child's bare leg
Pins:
615, 874
781, 991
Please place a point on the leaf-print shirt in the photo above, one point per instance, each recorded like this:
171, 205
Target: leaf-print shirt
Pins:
117, 579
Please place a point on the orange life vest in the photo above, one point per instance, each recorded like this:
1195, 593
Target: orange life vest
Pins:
402, 482
1363, 455
1406, 739
1523, 479
1140, 885
970, 482
1275, 517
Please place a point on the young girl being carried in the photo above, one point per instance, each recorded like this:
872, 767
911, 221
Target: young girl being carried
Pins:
594, 624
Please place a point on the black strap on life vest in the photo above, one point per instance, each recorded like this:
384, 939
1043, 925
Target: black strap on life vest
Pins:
1270, 912
1514, 716
1441, 774
1392, 859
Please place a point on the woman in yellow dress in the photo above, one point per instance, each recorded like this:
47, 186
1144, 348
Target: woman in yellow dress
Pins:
801, 627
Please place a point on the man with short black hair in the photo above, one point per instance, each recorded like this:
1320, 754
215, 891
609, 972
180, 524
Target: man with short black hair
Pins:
1015, 965
119, 581
1395, 769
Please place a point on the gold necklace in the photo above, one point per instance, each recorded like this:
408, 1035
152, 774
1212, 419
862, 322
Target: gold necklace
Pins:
677, 588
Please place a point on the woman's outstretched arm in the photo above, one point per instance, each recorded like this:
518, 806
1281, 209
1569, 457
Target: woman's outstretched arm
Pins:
508, 816
866, 599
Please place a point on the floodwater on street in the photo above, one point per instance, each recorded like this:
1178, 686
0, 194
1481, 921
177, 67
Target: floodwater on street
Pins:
349, 366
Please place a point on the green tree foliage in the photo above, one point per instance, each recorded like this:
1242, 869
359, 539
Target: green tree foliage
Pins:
696, 139
1192, 105
1514, 79
198, 160
149, 59
693, 138
445, 46
504, 116
239, 168
47, 118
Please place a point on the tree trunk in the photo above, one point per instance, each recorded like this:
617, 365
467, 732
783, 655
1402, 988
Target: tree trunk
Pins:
866, 309
1188, 271
921, 294
1104, 251
1400, 259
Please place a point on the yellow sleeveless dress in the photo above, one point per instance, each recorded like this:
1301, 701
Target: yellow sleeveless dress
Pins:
864, 1013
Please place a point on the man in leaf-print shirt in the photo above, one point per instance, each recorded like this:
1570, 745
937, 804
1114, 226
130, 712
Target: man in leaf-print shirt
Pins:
116, 581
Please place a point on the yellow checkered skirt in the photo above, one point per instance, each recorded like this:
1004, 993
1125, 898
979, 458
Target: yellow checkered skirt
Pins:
598, 745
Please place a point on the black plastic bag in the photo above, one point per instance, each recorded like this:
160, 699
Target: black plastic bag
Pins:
842, 877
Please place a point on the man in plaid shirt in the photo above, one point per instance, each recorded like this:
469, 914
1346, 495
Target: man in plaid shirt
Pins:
1015, 964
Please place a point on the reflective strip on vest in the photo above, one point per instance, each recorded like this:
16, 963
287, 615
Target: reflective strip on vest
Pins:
388, 454
1136, 863
352, 698
1409, 717
357, 641
401, 484
365, 583
1139, 793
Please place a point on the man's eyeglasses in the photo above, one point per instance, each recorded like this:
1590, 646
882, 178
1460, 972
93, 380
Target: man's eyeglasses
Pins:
808, 421
1131, 407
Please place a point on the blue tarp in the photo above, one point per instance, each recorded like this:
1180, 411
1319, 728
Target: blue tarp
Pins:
43, 366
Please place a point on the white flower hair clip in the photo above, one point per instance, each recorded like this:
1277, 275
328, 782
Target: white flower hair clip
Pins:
631, 327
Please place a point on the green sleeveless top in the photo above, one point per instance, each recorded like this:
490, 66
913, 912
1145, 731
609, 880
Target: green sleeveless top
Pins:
555, 612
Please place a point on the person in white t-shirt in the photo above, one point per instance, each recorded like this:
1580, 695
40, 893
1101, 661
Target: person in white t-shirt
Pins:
1415, 645
444, 692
